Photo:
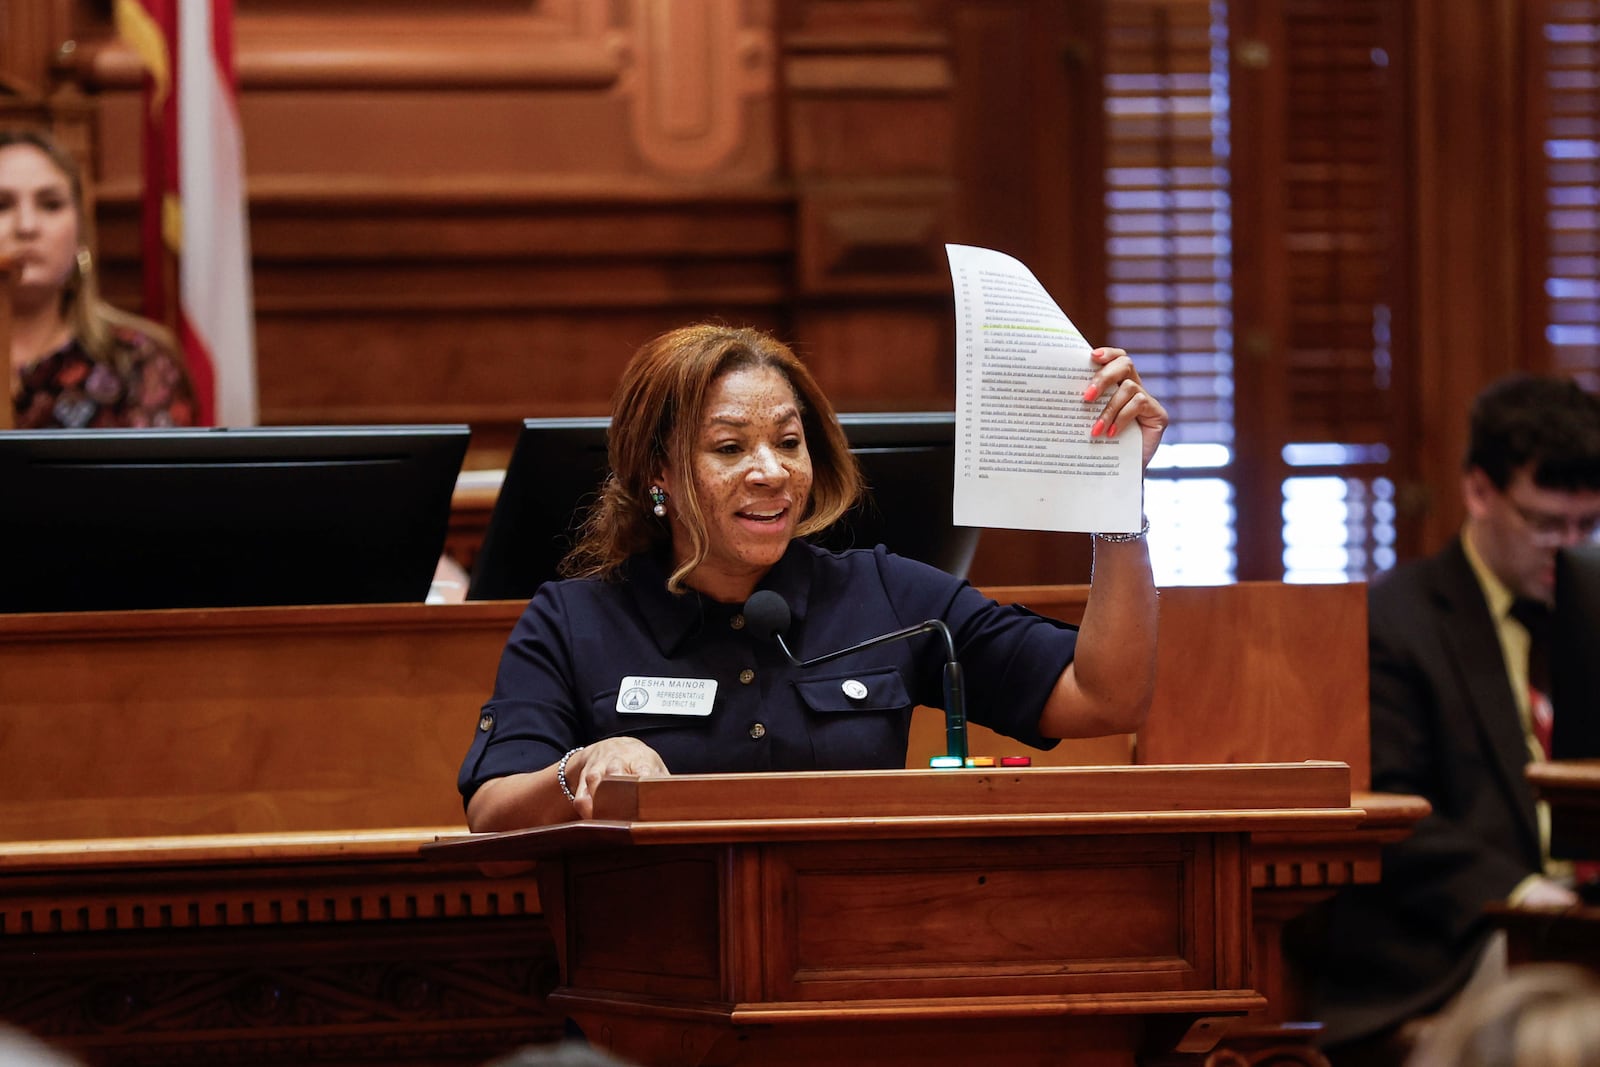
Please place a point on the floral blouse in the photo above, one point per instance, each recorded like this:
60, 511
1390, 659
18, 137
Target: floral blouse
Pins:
143, 384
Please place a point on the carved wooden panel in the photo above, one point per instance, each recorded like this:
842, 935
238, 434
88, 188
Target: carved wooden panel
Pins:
270, 949
699, 83
864, 928
398, 992
869, 130
475, 211
71, 899
886, 238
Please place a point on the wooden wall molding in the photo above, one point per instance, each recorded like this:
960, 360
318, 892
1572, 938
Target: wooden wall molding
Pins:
553, 44
29, 34
389, 302
128, 889
870, 141
890, 72
415, 63
422, 251
878, 237
701, 72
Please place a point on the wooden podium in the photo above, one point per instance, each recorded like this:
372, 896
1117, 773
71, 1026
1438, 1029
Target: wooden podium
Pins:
210, 823
1020, 916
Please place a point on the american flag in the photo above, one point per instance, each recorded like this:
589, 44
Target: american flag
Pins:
195, 227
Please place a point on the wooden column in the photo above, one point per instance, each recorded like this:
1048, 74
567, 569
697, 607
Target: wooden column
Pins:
1467, 194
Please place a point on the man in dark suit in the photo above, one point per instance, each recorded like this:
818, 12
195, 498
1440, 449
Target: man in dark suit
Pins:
1455, 718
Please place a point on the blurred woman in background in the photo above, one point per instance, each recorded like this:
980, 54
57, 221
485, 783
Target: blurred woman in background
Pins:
76, 361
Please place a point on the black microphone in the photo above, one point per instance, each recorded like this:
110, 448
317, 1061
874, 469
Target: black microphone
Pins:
766, 614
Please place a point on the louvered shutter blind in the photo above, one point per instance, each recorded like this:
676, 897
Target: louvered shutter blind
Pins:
1340, 148
1318, 504
1342, 186
1169, 286
1566, 57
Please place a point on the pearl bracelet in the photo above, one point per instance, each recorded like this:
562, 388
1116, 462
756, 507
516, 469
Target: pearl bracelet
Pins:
1123, 538
561, 774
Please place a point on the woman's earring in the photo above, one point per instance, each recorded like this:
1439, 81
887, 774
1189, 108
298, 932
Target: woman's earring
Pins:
85, 262
658, 501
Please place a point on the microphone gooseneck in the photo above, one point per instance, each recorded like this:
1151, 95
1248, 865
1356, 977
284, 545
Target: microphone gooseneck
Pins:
767, 616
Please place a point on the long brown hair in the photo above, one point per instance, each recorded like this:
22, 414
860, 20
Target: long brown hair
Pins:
83, 309
655, 418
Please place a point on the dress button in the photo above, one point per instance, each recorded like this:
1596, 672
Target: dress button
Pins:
758, 731
486, 722
747, 676
854, 689
737, 622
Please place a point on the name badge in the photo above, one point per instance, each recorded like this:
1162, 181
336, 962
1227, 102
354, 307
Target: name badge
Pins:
666, 696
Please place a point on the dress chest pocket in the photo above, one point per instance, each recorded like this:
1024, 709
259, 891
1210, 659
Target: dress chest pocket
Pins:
880, 689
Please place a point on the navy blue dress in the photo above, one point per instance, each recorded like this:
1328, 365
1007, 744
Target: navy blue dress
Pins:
559, 682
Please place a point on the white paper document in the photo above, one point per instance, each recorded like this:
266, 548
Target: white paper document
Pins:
1024, 455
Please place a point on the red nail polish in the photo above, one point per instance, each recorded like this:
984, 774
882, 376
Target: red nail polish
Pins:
1090, 393
1099, 424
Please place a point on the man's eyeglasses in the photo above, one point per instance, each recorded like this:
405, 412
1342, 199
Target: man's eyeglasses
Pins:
1548, 530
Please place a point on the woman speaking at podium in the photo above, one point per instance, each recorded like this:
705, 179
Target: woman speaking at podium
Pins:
76, 361
724, 456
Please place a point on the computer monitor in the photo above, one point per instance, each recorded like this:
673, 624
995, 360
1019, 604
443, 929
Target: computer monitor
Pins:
909, 460
1575, 675
190, 518
1575, 655
557, 466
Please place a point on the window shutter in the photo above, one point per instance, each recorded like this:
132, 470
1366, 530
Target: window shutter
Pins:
1270, 201
1566, 62
1320, 124
1169, 292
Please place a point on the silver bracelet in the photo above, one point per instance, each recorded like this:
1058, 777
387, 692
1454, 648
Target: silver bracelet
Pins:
1123, 538
561, 774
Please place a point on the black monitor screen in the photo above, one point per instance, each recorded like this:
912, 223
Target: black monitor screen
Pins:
1575, 657
557, 466
1575, 673
186, 518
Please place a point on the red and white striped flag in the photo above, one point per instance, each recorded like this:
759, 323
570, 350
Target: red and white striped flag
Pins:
195, 230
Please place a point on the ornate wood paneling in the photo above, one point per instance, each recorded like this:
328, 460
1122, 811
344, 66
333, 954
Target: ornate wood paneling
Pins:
568, 176
479, 220
869, 137
250, 950
476, 211
513, 300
